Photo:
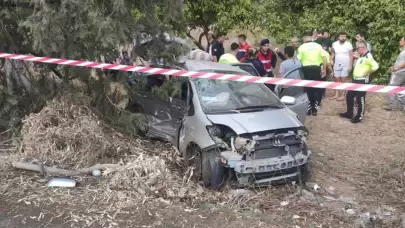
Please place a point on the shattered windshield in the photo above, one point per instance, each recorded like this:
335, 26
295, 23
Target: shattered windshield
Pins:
221, 96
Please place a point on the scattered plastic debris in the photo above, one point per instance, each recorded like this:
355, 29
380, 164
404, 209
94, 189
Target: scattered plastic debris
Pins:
96, 172
62, 182
350, 211
387, 213
284, 203
316, 187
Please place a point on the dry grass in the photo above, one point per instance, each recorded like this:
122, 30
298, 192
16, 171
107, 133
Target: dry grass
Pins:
70, 136
150, 176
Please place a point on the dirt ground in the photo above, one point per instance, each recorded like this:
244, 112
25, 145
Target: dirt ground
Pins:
359, 168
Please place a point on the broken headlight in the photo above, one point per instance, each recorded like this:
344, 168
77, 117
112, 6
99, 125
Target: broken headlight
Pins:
220, 135
214, 132
303, 132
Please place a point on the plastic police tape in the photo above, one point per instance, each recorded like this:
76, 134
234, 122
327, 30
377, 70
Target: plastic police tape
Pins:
212, 76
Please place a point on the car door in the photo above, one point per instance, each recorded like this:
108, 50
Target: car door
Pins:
301, 105
248, 67
185, 95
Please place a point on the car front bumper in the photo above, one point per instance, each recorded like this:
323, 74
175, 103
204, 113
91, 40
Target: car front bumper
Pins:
265, 171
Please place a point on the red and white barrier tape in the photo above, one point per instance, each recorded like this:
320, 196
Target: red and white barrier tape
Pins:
213, 76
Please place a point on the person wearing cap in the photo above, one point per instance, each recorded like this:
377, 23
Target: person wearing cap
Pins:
314, 64
365, 65
243, 48
267, 57
257, 64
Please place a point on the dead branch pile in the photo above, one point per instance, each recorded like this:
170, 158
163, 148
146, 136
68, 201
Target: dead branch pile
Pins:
151, 176
70, 136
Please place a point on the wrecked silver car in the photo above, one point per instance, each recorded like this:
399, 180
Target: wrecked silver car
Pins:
237, 130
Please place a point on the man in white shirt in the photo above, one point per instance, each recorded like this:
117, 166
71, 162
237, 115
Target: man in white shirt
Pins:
342, 62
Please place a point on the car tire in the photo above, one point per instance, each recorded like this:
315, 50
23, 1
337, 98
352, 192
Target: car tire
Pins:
213, 171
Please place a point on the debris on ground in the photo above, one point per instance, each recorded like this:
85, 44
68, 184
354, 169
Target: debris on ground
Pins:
71, 136
61, 182
72, 140
150, 175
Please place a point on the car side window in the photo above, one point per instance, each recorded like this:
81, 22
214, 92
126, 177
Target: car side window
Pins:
248, 68
292, 91
294, 74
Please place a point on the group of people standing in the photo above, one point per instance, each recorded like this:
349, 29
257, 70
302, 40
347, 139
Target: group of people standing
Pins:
360, 64
264, 60
320, 59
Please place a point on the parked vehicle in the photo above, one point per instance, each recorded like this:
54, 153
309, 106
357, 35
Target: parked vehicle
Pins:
238, 128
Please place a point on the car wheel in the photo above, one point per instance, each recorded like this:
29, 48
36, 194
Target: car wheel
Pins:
212, 169
193, 158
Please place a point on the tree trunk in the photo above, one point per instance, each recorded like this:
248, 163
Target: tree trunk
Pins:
198, 43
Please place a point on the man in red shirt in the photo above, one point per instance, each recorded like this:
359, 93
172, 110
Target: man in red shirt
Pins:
267, 57
243, 48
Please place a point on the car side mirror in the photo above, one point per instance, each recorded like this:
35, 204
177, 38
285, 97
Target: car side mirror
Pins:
287, 100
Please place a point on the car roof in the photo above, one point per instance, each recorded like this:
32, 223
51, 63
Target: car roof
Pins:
199, 65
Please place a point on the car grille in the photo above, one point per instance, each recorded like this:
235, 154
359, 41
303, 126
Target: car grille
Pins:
270, 148
275, 151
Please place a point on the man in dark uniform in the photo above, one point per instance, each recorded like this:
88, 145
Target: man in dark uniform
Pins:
217, 48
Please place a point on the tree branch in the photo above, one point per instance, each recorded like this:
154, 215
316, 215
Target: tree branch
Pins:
194, 40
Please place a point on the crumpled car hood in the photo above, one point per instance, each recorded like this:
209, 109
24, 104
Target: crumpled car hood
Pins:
250, 122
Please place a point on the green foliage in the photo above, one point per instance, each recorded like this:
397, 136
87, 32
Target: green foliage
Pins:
81, 29
169, 89
381, 20
222, 15
86, 29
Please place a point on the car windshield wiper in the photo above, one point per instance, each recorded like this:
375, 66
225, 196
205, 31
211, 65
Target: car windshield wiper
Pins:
258, 107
